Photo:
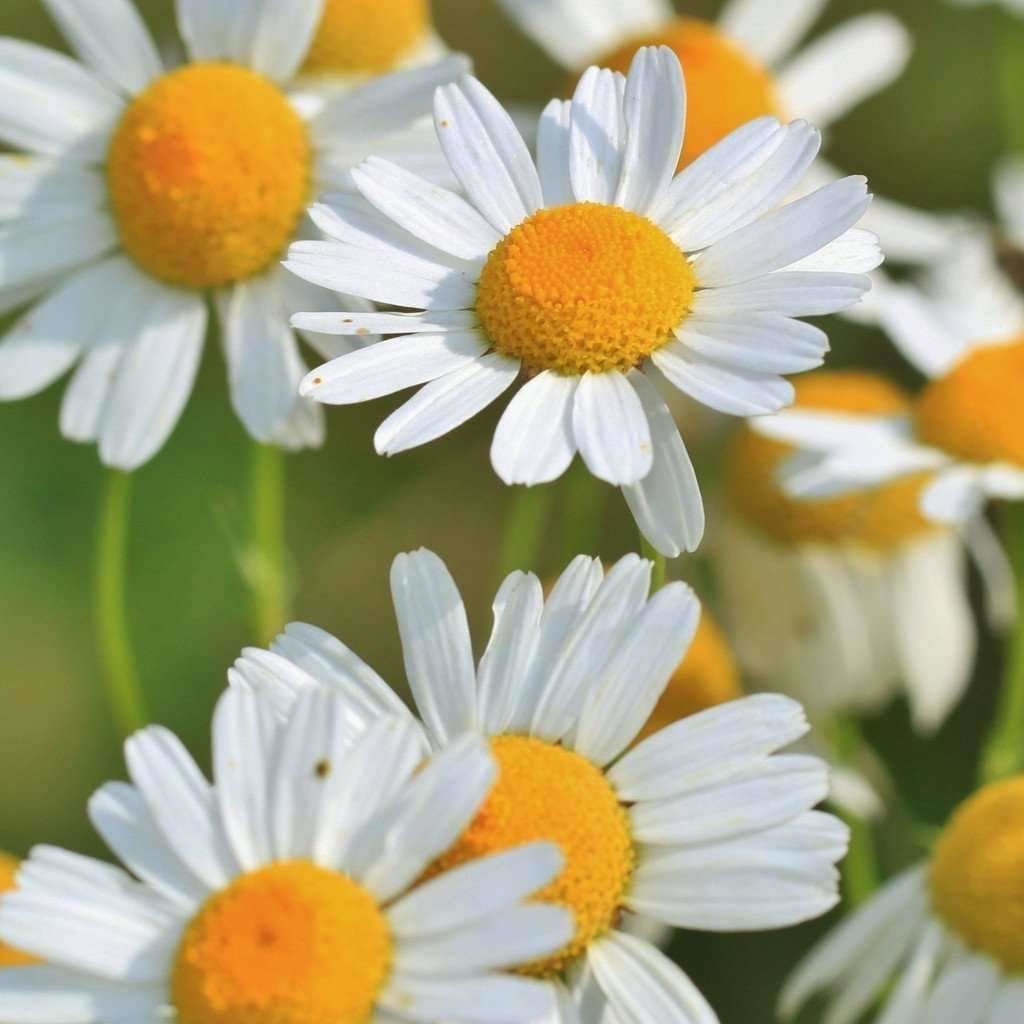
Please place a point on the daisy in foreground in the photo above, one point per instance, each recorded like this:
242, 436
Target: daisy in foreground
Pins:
963, 328
140, 191
587, 277
286, 893
941, 944
701, 825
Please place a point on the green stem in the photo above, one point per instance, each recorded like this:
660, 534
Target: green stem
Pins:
860, 870
1004, 751
523, 535
659, 576
267, 546
120, 676
582, 507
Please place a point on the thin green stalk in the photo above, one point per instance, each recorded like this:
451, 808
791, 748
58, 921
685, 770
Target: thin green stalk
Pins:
659, 576
523, 534
120, 676
860, 870
1004, 750
267, 569
582, 507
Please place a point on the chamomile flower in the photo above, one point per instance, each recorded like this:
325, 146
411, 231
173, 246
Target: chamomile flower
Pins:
9, 955
286, 892
139, 191
963, 328
702, 825
586, 277
868, 598
943, 943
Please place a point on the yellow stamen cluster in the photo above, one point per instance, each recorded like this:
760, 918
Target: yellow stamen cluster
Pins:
725, 87
9, 956
366, 36
977, 873
705, 678
292, 943
584, 287
545, 792
208, 171
879, 517
974, 412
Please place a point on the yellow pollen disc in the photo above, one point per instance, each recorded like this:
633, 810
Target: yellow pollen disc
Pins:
880, 517
974, 411
208, 171
549, 793
584, 287
10, 957
362, 36
725, 87
705, 678
977, 873
292, 943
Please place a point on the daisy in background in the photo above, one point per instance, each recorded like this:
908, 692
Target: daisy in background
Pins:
941, 944
743, 67
587, 278
9, 956
703, 825
287, 892
139, 191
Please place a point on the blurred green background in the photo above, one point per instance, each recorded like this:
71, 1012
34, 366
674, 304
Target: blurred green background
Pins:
930, 141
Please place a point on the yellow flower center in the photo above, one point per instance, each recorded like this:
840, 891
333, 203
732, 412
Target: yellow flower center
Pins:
9, 956
545, 792
292, 943
584, 287
977, 873
880, 517
725, 86
973, 412
705, 678
363, 36
208, 171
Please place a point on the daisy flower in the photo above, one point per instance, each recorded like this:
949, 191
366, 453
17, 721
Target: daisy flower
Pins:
285, 893
586, 277
962, 326
702, 825
138, 191
9, 955
942, 943
869, 598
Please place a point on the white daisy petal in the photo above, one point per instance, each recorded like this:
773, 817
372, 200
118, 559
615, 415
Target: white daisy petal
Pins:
50, 104
534, 442
786, 293
784, 236
154, 378
487, 154
41, 189
655, 111
905, 1004
475, 890
517, 936
597, 136
956, 495
85, 398
767, 30
826, 431
438, 217
1008, 1005
279, 35
553, 153
436, 644
45, 342
207, 27
392, 365
918, 330
369, 324
112, 38
709, 747
739, 393
53, 995
489, 999
444, 404
30, 250
643, 985
518, 607
626, 692
755, 798
182, 804
119, 814
611, 428
1008, 194
756, 342
843, 67
667, 503
854, 252
964, 993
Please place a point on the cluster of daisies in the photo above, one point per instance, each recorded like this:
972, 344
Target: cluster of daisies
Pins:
325, 178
